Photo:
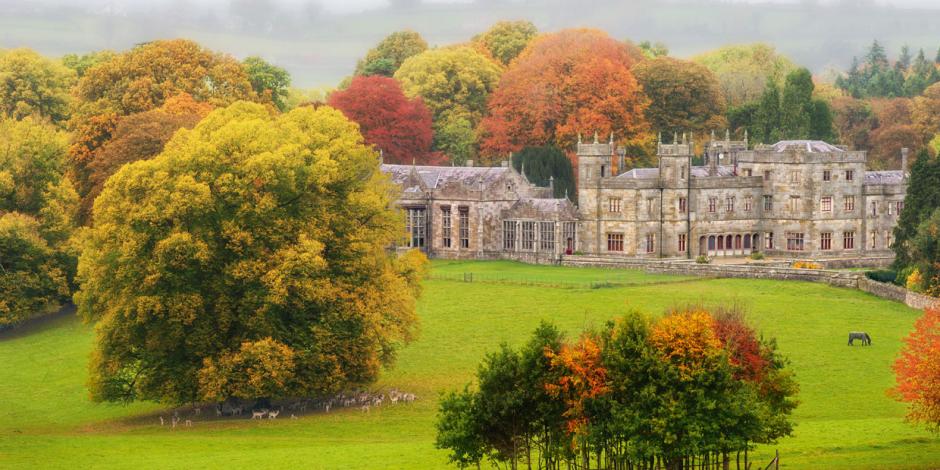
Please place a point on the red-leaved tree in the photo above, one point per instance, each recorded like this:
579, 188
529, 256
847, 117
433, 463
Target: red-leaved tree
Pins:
582, 378
917, 371
573, 81
744, 348
393, 123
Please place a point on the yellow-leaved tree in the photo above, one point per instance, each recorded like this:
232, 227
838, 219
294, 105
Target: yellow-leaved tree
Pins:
248, 259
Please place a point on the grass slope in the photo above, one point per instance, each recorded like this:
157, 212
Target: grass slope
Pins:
845, 420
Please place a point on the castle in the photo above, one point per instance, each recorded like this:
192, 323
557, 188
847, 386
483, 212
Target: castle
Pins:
794, 198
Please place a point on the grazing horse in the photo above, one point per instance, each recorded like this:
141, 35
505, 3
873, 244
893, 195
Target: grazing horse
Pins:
860, 335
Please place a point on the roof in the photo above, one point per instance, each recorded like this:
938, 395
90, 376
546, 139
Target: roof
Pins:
653, 173
546, 204
810, 146
884, 177
435, 177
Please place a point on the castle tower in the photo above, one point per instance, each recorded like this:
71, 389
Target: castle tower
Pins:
675, 161
595, 163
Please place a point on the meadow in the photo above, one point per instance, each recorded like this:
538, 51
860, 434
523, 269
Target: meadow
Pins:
845, 419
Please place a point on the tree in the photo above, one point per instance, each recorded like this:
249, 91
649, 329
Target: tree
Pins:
744, 71
563, 84
917, 371
544, 165
398, 126
925, 254
32, 158
923, 196
796, 106
925, 112
81, 63
853, 120
269, 81
140, 136
388, 55
33, 276
766, 128
506, 39
820, 121
456, 137
887, 142
654, 50
683, 95
142, 79
32, 85
251, 241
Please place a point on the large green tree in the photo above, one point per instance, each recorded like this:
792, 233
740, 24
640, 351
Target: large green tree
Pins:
269, 81
923, 197
388, 55
683, 95
506, 39
544, 165
247, 259
797, 105
33, 85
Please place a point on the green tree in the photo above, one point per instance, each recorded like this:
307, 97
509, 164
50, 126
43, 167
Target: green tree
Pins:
820, 121
32, 158
455, 136
797, 105
269, 81
82, 63
767, 118
743, 71
388, 55
654, 50
543, 165
32, 85
506, 39
252, 244
683, 95
923, 197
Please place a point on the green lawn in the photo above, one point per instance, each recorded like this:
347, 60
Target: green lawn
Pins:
844, 421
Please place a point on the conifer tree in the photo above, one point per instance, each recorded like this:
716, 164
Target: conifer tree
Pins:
923, 196
795, 109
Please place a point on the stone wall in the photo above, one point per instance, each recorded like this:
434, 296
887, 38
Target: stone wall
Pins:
897, 293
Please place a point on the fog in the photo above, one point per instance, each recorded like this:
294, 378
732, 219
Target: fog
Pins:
319, 41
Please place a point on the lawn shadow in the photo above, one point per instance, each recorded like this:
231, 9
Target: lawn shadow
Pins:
39, 324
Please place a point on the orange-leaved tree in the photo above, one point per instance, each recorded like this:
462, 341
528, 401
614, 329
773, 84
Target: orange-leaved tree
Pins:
687, 339
562, 84
917, 371
582, 378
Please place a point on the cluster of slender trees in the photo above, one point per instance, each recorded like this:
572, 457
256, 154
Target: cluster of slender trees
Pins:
694, 389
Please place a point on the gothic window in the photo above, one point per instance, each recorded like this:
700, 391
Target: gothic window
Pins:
445, 226
849, 203
825, 241
569, 231
849, 175
770, 240
899, 206
614, 242
509, 235
768, 203
528, 236
747, 204
729, 204
795, 177
848, 240
464, 220
613, 204
416, 227
682, 243
874, 208
547, 236
793, 204
650, 242
826, 204
794, 241
683, 205
712, 204
827, 175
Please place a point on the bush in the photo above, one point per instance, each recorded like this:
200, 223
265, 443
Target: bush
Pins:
757, 255
902, 275
807, 265
882, 276
702, 259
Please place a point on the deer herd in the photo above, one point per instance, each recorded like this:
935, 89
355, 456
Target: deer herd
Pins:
363, 400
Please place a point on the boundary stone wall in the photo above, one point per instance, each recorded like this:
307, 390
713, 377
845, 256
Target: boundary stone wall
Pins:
897, 293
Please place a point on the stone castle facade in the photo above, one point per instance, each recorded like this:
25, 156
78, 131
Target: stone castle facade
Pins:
793, 198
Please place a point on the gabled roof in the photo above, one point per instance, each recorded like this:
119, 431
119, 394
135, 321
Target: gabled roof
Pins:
884, 177
433, 177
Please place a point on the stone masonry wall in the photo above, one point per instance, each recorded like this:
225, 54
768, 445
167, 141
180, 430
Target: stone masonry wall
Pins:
897, 293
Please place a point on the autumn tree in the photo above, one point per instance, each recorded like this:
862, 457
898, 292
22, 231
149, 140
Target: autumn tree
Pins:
37, 213
917, 371
744, 70
506, 39
82, 63
252, 245
684, 96
925, 113
141, 136
142, 79
562, 84
922, 198
853, 121
388, 55
269, 81
32, 85
398, 126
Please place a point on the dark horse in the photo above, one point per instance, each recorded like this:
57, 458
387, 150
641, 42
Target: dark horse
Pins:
854, 335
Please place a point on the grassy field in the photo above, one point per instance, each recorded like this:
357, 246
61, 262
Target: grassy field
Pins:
845, 419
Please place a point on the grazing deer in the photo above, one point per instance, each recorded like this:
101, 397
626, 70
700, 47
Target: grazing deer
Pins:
175, 420
218, 410
161, 421
189, 423
197, 411
258, 414
365, 408
328, 405
293, 416
237, 410
273, 414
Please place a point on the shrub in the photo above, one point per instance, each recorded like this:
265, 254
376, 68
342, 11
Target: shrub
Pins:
915, 281
882, 276
757, 255
702, 259
807, 265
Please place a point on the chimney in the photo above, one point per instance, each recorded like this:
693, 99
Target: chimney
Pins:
904, 153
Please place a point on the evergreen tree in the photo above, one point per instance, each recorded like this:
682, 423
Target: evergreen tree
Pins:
923, 196
796, 107
904, 61
767, 117
821, 121
543, 163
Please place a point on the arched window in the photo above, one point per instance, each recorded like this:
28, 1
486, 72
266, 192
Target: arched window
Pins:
721, 242
737, 242
747, 241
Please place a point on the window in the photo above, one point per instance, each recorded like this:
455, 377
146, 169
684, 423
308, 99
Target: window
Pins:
793, 204
794, 241
769, 236
416, 226
729, 204
614, 242
682, 243
747, 204
849, 203
445, 226
547, 236
712, 204
747, 172
827, 175
683, 205
509, 235
649, 206
848, 240
825, 241
528, 236
767, 175
613, 204
873, 240
874, 208
768, 203
603, 171
463, 215
899, 206
890, 208
795, 177
826, 204
569, 233
650, 242
849, 175
682, 174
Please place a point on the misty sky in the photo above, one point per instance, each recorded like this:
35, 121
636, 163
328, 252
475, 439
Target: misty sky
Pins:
319, 41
